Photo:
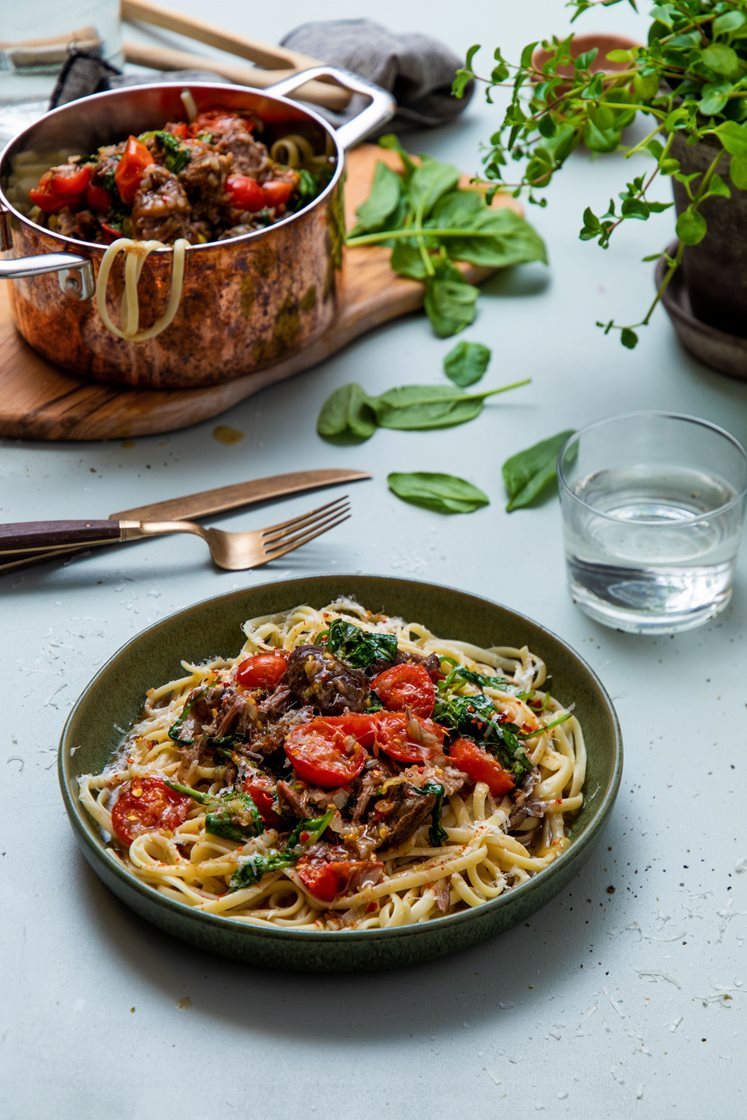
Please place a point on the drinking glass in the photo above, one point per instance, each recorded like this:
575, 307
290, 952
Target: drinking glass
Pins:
34, 39
653, 507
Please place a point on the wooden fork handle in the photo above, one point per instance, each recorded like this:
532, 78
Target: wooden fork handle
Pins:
30, 536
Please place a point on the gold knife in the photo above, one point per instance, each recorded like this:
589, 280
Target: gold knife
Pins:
191, 507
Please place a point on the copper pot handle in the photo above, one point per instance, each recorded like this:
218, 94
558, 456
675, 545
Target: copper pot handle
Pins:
381, 109
75, 273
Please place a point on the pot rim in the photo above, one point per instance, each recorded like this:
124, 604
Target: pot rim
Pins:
15, 146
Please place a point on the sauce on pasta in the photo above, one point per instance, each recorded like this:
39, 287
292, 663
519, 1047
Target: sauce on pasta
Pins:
346, 770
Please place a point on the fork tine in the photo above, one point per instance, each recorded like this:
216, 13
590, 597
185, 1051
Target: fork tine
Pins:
289, 537
303, 519
300, 539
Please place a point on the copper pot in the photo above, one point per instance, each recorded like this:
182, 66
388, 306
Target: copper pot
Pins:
246, 302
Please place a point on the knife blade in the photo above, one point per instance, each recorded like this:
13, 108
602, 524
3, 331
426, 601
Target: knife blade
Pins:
191, 507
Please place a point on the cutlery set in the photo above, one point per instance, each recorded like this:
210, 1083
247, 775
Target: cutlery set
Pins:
25, 543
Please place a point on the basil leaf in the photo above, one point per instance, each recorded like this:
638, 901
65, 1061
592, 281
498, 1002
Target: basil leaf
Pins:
382, 201
466, 363
528, 473
450, 301
444, 493
347, 415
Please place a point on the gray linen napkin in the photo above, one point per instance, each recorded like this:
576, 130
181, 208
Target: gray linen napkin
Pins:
418, 70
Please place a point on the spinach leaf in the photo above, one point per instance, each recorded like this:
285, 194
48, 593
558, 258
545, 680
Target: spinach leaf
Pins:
466, 363
450, 300
383, 200
476, 717
424, 407
495, 239
459, 673
529, 473
430, 180
252, 869
356, 647
437, 833
444, 493
177, 727
232, 814
347, 415
429, 222
350, 414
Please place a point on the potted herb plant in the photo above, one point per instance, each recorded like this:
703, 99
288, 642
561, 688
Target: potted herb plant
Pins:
689, 81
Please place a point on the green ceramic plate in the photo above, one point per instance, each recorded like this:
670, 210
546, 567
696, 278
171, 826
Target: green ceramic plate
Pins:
114, 697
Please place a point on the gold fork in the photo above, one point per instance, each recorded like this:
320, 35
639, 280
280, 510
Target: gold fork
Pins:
232, 551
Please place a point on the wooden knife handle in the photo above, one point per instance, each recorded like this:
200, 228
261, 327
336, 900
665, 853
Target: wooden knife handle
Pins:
29, 536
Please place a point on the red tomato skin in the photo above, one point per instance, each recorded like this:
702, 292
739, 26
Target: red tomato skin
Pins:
145, 804
130, 169
324, 754
394, 739
218, 119
72, 182
328, 880
481, 766
262, 670
361, 725
98, 198
406, 686
277, 192
46, 200
245, 193
260, 792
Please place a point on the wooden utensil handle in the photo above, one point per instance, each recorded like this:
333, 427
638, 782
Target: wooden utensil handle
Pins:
165, 58
31, 536
262, 53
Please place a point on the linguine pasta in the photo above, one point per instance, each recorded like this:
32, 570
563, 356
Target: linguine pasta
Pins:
482, 845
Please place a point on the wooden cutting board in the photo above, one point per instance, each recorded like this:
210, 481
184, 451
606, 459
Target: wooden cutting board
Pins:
41, 401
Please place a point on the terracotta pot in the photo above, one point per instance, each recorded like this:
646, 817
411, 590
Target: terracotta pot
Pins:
246, 301
580, 44
715, 271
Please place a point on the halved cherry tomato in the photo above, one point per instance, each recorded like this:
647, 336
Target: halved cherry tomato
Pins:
361, 725
324, 753
145, 804
245, 193
261, 791
70, 179
45, 198
481, 766
406, 686
131, 168
277, 192
98, 198
408, 739
57, 189
262, 670
328, 880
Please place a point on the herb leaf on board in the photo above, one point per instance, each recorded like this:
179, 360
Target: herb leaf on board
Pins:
444, 493
527, 474
428, 221
466, 363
